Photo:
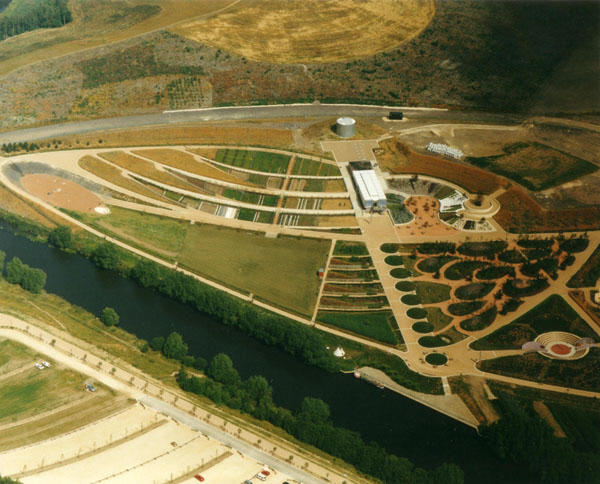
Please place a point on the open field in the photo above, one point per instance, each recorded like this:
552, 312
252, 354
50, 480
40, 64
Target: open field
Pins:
160, 233
536, 166
15, 356
282, 271
312, 30
520, 213
398, 158
375, 325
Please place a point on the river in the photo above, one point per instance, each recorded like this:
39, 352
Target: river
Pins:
401, 425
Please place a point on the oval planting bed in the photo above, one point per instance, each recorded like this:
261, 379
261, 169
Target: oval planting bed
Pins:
436, 359
410, 299
394, 260
400, 273
434, 264
389, 248
475, 290
405, 286
434, 341
416, 313
463, 269
422, 327
480, 321
464, 308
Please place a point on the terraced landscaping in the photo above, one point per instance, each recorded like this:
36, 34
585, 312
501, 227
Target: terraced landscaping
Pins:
254, 160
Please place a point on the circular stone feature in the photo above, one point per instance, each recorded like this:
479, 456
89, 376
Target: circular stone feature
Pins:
400, 273
436, 359
405, 286
560, 349
416, 313
410, 299
394, 260
422, 327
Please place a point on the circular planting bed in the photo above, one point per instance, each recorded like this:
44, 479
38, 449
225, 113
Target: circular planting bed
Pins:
422, 327
410, 299
436, 359
400, 273
416, 313
389, 248
394, 260
405, 286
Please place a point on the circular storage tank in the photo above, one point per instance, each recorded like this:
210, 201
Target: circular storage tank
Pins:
346, 127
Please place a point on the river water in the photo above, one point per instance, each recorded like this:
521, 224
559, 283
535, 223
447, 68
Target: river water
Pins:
401, 425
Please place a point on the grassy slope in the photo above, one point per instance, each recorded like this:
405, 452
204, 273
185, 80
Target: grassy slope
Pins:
374, 325
282, 271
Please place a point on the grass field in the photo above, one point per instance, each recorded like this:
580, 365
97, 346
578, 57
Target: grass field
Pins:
160, 233
312, 30
536, 166
375, 325
282, 271
431, 292
186, 162
14, 356
254, 160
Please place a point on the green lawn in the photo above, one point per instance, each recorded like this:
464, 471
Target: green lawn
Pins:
35, 391
437, 318
14, 355
374, 325
254, 160
282, 271
161, 233
432, 292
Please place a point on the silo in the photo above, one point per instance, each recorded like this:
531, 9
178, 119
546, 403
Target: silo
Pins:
346, 127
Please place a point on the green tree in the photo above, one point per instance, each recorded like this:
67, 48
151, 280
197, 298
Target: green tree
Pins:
2, 259
314, 410
33, 280
146, 273
448, 474
157, 343
221, 369
109, 317
61, 237
175, 347
105, 256
15, 270
8, 480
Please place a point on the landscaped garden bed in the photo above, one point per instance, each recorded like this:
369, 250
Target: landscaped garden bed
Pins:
465, 308
553, 314
410, 299
389, 248
495, 272
463, 269
400, 273
475, 290
436, 359
394, 260
405, 286
422, 327
448, 337
482, 249
432, 292
434, 264
480, 321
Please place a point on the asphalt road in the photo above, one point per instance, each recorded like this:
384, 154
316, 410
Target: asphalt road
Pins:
237, 113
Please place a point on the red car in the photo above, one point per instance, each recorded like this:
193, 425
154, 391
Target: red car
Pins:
264, 472
199, 477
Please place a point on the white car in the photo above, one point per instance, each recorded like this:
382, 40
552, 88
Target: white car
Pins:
46, 364
39, 366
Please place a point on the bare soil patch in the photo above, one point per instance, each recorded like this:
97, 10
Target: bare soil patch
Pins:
312, 30
61, 192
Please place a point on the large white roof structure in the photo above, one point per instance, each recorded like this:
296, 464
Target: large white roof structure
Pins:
369, 188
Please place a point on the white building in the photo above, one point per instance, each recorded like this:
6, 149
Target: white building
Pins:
369, 189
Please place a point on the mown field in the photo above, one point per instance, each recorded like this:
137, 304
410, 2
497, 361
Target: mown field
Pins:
282, 271
311, 30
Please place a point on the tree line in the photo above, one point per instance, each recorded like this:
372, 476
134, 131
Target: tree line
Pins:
31, 15
310, 423
523, 437
16, 272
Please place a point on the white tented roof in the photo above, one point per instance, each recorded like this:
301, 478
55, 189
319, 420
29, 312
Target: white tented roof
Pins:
368, 185
345, 121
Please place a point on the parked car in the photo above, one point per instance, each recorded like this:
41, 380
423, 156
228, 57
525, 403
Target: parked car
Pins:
247, 482
90, 387
46, 364
261, 476
265, 472
199, 477
39, 366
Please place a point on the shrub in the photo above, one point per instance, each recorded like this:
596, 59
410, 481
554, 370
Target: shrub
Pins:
536, 243
400, 273
174, 347
511, 256
475, 290
574, 244
394, 260
482, 249
434, 264
389, 248
495, 272
513, 288
416, 313
463, 269
422, 327
61, 237
411, 299
157, 343
405, 286
109, 317
480, 321
437, 248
